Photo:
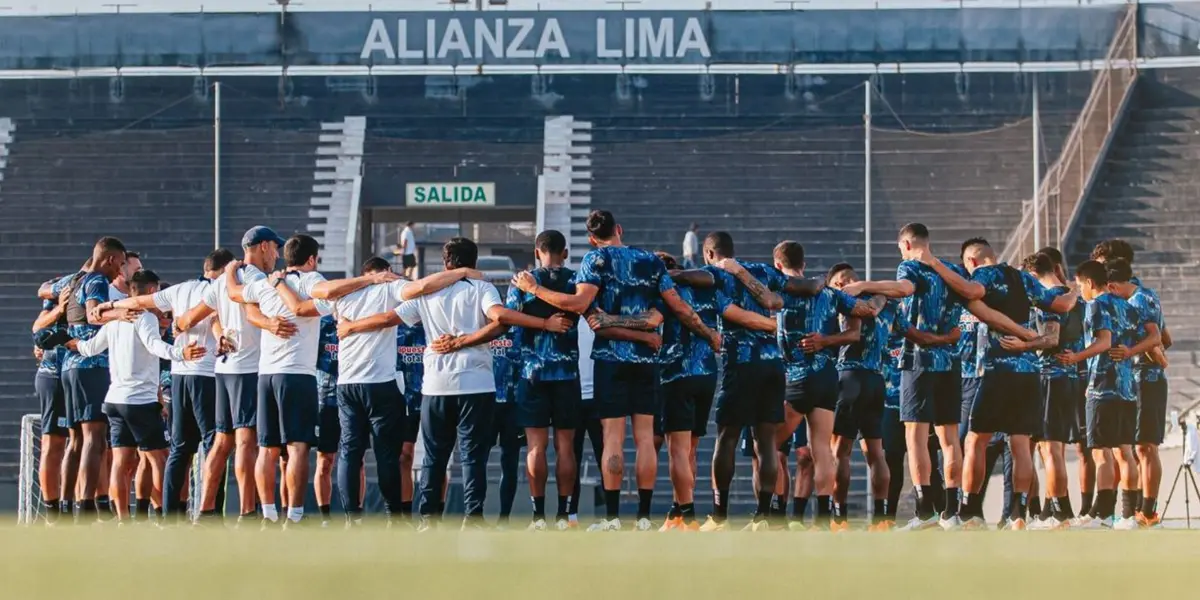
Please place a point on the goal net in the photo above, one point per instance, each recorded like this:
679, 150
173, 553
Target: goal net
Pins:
29, 489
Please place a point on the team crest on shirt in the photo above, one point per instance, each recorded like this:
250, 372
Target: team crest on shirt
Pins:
967, 319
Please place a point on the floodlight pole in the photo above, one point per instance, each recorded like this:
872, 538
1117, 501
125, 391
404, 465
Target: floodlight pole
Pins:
217, 165
867, 89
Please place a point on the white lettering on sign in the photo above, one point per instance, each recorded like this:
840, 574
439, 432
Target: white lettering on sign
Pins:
450, 194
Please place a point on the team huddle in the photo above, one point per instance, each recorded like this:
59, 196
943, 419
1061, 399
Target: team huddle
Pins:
946, 369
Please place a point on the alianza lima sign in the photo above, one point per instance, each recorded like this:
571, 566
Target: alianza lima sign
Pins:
450, 194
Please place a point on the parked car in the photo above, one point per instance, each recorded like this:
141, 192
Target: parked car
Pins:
498, 270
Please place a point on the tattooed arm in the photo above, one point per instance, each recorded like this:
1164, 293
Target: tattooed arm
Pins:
761, 293
696, 278
804, 287
690, 319
1047, 339
649, 320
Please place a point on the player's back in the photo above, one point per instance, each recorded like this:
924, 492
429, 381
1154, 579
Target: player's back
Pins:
367, 358
545, 355
246, 337
296, 354
629, 281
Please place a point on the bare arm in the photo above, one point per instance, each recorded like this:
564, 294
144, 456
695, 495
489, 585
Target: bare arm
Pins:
1064, 303
927, 340
450, 343
696, 278
46, 291
336, 288
578, 303
648, 338
133, 303
1152, 340
969, 290
300, 308
366, 325
48, 318
1046, 340
1166, 337
748, 319
761, 293
689, 318
196, 314
557, 323
868, 308
999, 321
815, 342
804, 287
598, 319
1100, 344
437, 282
889, 289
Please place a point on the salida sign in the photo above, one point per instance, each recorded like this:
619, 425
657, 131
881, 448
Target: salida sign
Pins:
438, 39
450, 194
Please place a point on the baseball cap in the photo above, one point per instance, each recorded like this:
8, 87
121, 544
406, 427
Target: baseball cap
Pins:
259, 234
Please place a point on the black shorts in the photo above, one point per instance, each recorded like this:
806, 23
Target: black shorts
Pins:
84, 391
505, 432
749, 394
542, 404
412, 417
54, 405
930, 397
408, 260
798, 440
288, 409
687, 402
1058, 409
136, 426
817, 390
892, 432
1079, 433
860, 405
1111, 423
237, 401
1151, 412
1008, 403
329, 429
626, 389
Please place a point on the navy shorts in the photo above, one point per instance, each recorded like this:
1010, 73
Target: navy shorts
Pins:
1058, 409
136, 426
84, 391
412, 417
687, 402
749, 394
860, 405
930, 397
798, 440
1151, 412
1079, 433
542, 404
1111, 423
505, 431
892, 432
288, 409
54, 405
1008, 403
237, 401
817, 390
329, 429
626, 389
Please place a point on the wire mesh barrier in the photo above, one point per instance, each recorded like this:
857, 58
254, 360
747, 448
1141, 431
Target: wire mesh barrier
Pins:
1049, 217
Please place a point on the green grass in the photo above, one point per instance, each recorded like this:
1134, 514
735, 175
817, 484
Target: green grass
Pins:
129, 563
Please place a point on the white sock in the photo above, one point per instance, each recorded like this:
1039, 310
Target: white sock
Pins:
295, 514
270, 513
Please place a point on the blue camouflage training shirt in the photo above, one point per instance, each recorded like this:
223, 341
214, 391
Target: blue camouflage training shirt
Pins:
630, 281
685, 354
1109, 379
94, 286
933, 308
1146, 303
51, 363
891, 359
1050, 366
410, 360
804, 315
971, 343
545, 356
867, 354
991, 277
738, 344
506, 365
327, 360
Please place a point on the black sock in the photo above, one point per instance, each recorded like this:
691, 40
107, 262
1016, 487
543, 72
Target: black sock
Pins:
1062, 508
66, 506
406, 509
924, 502
1137, 500
673, 512
878, 511
1035, 505
839, 512
1018, 505
1129, 503
324, 508
764, 505
612, 504
573, 502
688, 512
721, 505
799, 508
1085, 503
51, 508
965, 510
824, 510
1047, 509
85, 509
539, 507
142, 508
1149, 506
103, 506
1105, 504
561, 513
644, 499
951, 503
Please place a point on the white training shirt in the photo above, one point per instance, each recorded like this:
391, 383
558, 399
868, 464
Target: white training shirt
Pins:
457, 310
178, 299
134, 351
586, 365
368, 357
114, 294
233, 321
296, 355
409, 240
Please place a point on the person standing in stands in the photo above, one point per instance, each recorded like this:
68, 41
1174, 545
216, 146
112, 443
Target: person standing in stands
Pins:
407, 249
410, 353
691, 246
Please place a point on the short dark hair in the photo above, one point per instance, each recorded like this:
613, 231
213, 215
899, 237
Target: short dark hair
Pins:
217, 259
1118, 270
838, 268
1092, 271
143, 279
299, 248
131, 254
1054, 254
376, 264
410, 223
668, 260
720, 242
789, 254
601, 224
110, 245
1040, 264
914, 230
551, 241
460, 252
1112, 249
975, 241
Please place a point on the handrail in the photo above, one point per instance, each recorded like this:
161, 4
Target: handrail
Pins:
1067, 182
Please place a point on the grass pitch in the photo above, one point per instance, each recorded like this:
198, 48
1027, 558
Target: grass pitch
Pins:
128, 563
